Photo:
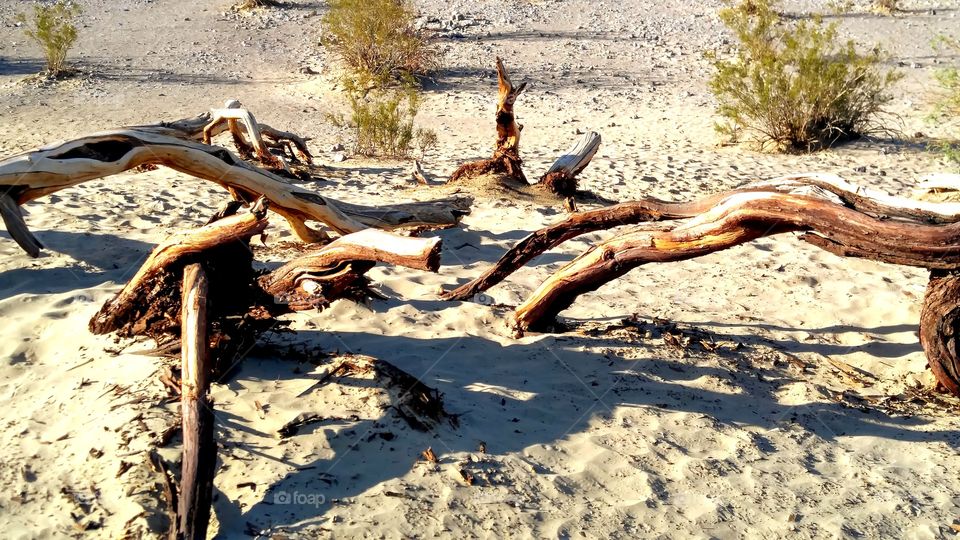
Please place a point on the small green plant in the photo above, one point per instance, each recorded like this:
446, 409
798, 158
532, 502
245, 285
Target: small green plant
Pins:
795, 85
53, 27
378, 39
949, 103
382, 120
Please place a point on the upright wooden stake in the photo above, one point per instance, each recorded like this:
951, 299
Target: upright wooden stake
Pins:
199, 447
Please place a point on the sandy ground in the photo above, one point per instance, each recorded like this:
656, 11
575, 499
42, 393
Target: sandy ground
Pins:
805, 422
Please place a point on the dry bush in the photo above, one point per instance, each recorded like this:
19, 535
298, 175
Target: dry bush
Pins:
886, 6
383, 122
795, 84
52, 26
378, 39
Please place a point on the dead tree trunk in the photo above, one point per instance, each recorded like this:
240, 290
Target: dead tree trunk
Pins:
199, 448
150, 297
506, 160
40, 172
244, 304
504, 171
940, 327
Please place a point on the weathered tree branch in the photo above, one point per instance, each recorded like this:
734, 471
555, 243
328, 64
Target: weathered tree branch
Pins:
827, 187
199, 461
738, 219
337, 269
561, 177
13, 220
40, 172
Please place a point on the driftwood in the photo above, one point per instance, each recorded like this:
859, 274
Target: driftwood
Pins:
940, 327
834, 215
199, 461
336, 270
561, 177
43, 171
200, 286
738, 219
506, 154
244, 304
504, 170
827, 187
136, 303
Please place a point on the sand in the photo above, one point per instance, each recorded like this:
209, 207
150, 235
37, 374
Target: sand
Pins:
810, 420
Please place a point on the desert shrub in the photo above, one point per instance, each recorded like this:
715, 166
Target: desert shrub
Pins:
796, 85
383, 124
52, 26
948, 106
378, 39
886, 6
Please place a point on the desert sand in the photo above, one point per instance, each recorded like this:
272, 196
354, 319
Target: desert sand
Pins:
812, 419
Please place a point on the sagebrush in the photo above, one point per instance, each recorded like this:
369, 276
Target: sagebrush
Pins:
53, 27
794, 84
378, 39
383, 122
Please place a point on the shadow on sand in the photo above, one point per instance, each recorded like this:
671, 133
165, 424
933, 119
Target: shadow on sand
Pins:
566, 381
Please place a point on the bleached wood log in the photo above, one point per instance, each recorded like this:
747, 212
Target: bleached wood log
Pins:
199, 461
31, 175
561, 177
578, 156
331, 272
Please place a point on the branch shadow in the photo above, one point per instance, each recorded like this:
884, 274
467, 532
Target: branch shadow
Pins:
21, 66
102, 258
564, 381
104, 70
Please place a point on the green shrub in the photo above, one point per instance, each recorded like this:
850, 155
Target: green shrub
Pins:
949, 103
795, 84
378, 40
52, 27
383, 122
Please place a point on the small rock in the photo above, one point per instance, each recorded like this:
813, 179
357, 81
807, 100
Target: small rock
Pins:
337, 158
336, 148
